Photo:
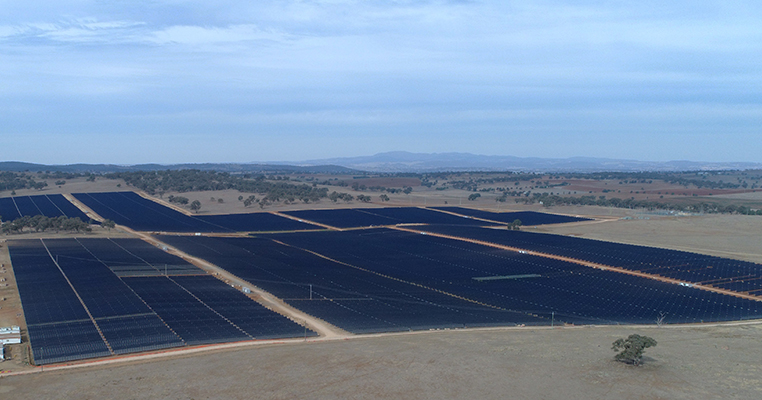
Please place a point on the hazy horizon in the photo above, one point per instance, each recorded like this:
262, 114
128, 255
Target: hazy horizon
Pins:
172, 81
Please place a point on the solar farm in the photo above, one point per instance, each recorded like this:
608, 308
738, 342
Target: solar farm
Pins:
360, 270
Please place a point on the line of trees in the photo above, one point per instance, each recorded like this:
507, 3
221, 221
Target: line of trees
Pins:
41, 223
703, 207
159, 182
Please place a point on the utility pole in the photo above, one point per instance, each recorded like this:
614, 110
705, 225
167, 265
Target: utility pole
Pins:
552, 318
310, 292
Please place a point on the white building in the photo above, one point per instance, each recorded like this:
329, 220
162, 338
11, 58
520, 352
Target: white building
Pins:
10, 335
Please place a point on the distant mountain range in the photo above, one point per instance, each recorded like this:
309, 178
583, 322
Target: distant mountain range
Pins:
221, 167
400, 161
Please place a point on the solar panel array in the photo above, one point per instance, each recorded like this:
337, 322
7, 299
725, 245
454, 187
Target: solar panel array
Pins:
49, 205
362, 217
132, 210
527, 218
580, 294
78, 303
740, 276
386, 280
350, 298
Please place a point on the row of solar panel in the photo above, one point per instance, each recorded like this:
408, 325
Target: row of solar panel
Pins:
679, 265
349, 298
65, 282
527, 218
444, 264
361, 217
391, 280
130, 209
49, 205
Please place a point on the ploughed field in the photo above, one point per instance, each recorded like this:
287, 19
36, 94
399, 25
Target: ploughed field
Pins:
85, 298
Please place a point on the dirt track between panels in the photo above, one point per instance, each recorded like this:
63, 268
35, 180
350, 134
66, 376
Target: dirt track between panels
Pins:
568, 363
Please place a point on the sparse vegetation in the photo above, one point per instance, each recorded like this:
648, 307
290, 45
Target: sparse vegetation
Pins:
273, 189
14, 181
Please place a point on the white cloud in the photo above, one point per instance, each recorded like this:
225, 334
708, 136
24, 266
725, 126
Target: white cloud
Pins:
198, 35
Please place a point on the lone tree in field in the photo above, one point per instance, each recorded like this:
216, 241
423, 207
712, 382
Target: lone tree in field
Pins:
195, 206
631, 349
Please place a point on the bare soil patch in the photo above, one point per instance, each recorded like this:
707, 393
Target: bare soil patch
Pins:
389, 182
77, 185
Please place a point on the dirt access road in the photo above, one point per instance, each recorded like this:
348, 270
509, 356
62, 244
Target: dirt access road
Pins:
717, 362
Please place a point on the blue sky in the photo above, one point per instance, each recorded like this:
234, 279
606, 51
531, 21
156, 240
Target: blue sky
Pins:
236, 81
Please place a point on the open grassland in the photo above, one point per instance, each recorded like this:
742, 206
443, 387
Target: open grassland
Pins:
519, 363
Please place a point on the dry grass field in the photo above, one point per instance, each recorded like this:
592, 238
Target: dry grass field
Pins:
719, 362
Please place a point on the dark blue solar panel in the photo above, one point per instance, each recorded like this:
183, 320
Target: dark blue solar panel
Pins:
358, 217
194, 322
45, 206
8, 210
67, 341
245, 313
577, 294
138, 333
526, 217
350, 298
26, 206
134, 257
129, 209
61, 329
256, 222
424, 216
45, 294
49, 205
343, 218
679, 265
104, 294
66, 207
